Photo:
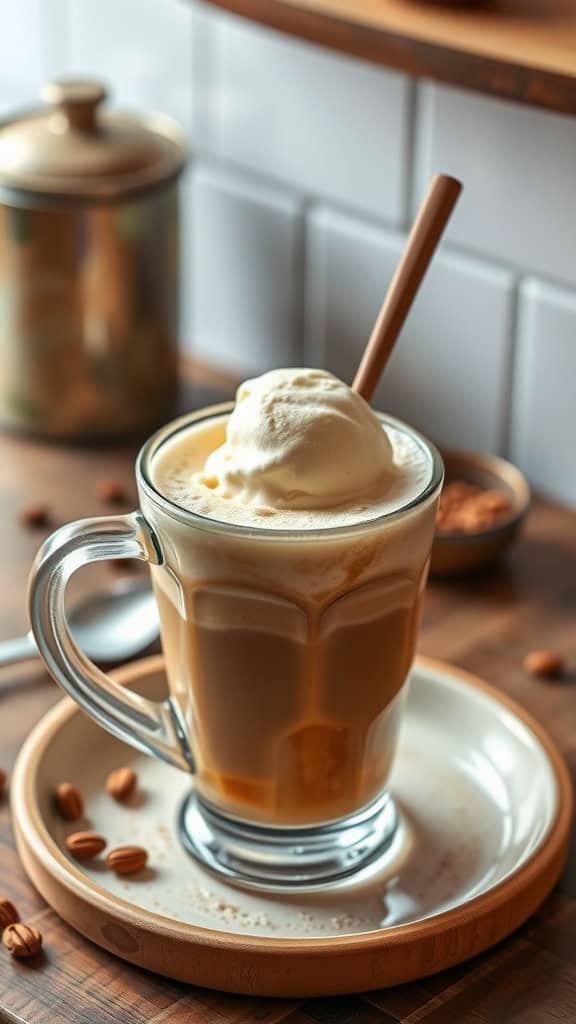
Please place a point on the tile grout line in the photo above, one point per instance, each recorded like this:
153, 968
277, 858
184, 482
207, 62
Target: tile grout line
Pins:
506, 424
206, 160
413, 151
300, 344
210, 159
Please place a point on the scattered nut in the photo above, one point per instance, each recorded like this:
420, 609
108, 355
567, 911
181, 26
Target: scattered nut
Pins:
8, 914
85, 845
127, 860
34, 516
471, 518
544, 663
111, 492
69, 801
22, 940
121, 783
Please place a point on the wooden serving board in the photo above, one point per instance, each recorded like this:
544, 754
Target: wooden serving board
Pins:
240, 943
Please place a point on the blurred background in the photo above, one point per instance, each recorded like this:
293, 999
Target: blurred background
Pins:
306, 169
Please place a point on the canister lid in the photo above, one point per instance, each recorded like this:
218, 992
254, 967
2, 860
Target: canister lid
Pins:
72, 149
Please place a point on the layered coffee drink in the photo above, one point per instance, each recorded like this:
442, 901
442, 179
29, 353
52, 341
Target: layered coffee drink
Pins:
290, 598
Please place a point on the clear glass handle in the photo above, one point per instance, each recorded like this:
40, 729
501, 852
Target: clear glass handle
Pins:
153, 727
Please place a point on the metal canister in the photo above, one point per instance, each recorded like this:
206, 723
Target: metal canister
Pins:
89, 266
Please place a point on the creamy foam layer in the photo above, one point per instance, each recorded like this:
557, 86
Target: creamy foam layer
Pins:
179, 471
300, 439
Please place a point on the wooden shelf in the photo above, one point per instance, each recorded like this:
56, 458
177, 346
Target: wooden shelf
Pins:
523, 50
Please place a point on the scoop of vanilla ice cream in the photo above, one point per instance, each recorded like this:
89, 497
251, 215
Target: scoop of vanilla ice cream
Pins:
300, 439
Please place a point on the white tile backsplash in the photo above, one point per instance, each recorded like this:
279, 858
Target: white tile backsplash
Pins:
306, 163
204, 101
246, 243
519, 200
30, 51
449, 372
544, 395
324, 123
142, 48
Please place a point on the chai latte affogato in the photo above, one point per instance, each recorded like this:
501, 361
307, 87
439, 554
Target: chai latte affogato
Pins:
290, 607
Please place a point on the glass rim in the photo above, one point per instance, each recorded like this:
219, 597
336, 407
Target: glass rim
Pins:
197, 519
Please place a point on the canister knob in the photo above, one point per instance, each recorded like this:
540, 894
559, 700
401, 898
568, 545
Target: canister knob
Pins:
77, 100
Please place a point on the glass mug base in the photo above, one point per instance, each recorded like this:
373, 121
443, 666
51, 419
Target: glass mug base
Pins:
281, 858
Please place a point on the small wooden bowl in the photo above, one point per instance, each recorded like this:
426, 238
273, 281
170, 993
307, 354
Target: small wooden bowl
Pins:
454, 553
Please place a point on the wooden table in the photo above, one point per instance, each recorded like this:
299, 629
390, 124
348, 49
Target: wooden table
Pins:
485, 624
523, 50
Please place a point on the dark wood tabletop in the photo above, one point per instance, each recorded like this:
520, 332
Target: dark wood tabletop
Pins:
484, 623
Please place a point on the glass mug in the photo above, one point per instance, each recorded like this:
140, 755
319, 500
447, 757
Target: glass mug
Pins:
287, 656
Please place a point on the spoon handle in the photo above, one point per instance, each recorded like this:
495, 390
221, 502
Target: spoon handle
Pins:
21, 648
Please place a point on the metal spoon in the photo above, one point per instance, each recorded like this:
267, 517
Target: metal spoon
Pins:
114, 625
